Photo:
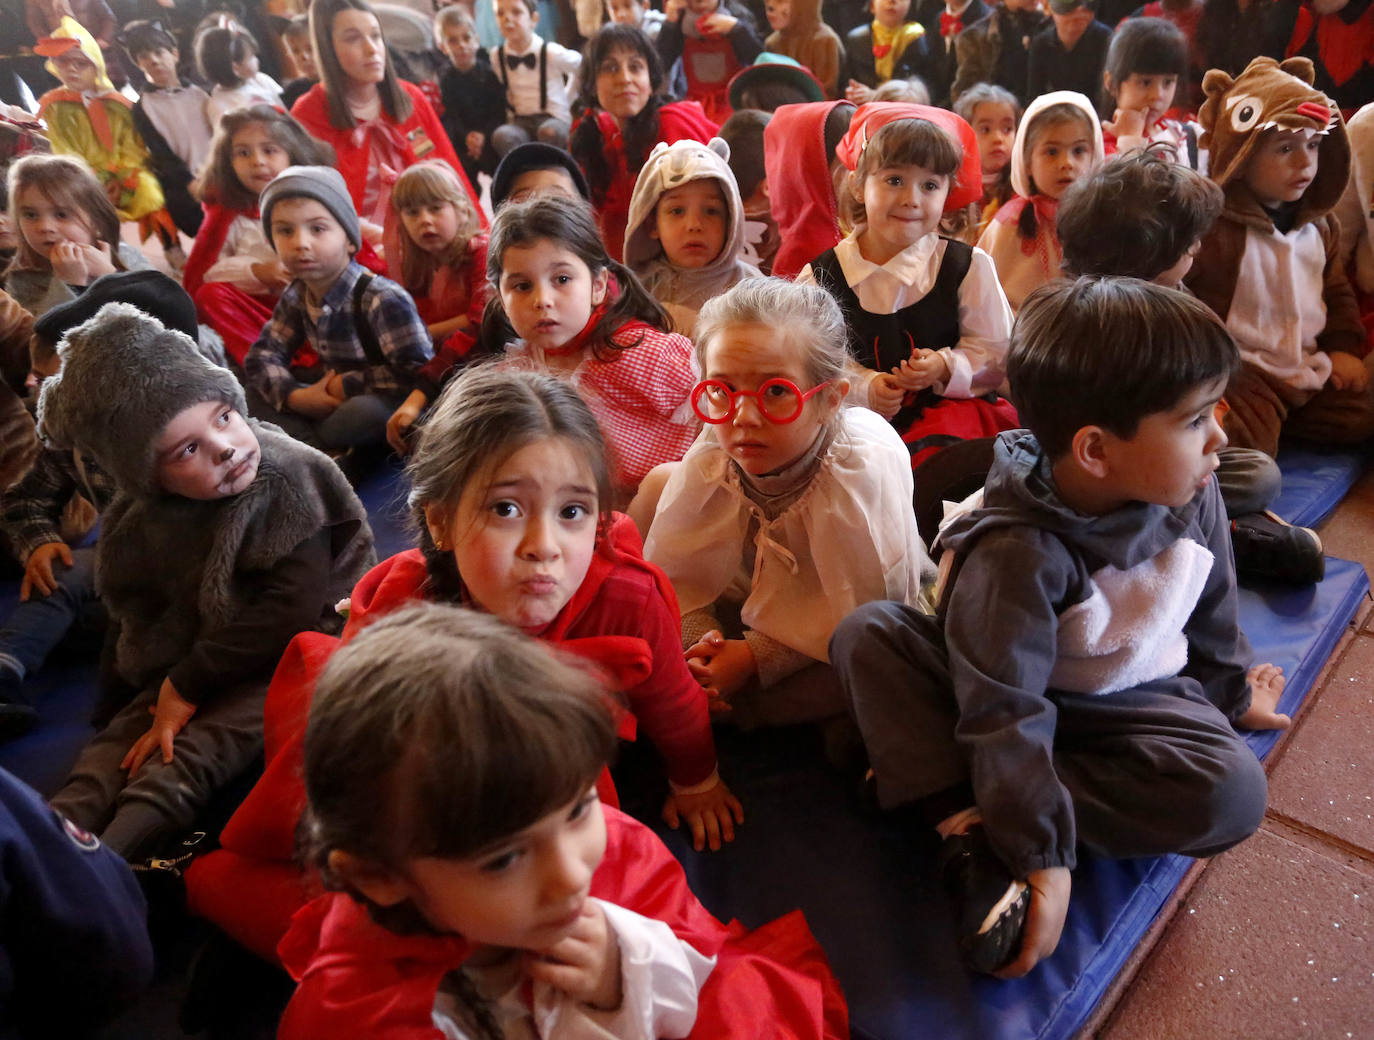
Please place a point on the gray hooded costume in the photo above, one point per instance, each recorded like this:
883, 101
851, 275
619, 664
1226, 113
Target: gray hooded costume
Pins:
204, 593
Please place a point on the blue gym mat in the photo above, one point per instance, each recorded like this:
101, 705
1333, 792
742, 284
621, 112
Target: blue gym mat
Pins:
866, 882
1315, 479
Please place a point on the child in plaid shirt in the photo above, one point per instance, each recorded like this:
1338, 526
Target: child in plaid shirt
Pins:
370, 340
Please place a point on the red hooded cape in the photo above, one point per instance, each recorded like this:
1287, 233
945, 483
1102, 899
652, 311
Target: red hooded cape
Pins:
359, 980
800, 191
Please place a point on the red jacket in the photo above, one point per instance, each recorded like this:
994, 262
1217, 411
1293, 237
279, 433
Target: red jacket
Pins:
624, 617
800, 191
357, 979
419, 137
677, 121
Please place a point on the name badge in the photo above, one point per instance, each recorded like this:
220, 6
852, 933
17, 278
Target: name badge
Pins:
420, 144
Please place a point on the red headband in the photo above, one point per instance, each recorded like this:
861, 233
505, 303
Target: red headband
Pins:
965, 186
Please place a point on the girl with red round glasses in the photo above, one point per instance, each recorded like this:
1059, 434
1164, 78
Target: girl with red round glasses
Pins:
789, 511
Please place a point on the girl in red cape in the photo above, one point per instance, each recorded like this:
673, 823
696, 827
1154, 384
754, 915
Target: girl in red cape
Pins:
480, 887
377, 123
510, 490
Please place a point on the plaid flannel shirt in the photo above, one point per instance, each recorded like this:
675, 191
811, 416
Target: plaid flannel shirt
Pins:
387, 308
31, 511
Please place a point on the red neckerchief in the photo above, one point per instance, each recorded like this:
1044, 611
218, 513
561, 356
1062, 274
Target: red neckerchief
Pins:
951, 24
580, 340
95, 111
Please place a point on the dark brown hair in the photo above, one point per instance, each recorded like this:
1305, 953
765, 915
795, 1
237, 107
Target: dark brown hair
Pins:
217, 51
1108, 352
641, 130
438, 732
567, 223
395, 101
485, 415
218, 183
1136, 216
903, 142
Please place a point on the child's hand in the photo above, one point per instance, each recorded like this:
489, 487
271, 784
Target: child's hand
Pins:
718, 24
672, 10
586, 964
68, 261
1266, 687
1348, 372
711, 815
402, 421
858, 94
313, 401
475, 140
334, 386
1049, 906
721, 665
924, 368
271, 274
1127, 122
169, 718
885, 395
38, 572
99, 260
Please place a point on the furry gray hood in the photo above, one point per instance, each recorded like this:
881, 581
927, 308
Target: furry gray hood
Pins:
124, 377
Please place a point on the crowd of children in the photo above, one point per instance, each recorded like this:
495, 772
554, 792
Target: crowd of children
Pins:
678, 336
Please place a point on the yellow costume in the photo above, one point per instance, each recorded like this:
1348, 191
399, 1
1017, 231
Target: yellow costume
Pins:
99, 129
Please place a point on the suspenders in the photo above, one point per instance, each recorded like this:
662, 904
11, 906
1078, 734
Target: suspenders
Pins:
503, 74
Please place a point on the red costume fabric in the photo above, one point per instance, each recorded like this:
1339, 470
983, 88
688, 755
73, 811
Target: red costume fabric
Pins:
677, 121
623, 618
419, 137
357, 979
800, 190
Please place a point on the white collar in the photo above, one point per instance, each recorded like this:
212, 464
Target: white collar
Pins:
908, 266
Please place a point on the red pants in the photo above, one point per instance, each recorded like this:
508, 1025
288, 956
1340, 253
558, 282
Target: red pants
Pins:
234, 314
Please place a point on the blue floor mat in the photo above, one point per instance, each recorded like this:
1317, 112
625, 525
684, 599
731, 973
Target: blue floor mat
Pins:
1315, 479
866, 886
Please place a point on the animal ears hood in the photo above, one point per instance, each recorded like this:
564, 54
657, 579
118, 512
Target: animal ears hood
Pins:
1273, 95
670, 166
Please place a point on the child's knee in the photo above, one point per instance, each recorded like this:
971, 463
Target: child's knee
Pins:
1230, 807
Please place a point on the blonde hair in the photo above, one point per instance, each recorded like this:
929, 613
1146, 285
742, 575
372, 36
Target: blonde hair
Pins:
68, 182
423, 185
449, 16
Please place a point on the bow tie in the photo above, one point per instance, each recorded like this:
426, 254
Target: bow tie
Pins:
514, 61
951, 24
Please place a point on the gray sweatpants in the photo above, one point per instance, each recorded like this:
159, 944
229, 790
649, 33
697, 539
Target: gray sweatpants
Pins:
160, 800
1151, 770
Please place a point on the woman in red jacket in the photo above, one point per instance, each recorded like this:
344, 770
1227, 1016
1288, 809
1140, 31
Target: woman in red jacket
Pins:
377, 124
624, 113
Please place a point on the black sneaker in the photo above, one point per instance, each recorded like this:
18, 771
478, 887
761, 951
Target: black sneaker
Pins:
992, 904
1267, 547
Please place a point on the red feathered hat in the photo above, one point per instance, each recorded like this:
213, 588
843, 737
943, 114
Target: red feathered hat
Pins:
965, 186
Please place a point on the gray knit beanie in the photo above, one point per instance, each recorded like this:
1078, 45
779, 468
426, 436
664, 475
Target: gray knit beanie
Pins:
124, 377
325, 185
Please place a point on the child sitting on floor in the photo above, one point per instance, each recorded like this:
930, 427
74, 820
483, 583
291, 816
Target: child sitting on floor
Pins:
686, 228
787, 513
228, 58
295, 40
927, 322
538, 78
225, 539
89, 119
364, 329
892, 46
1058, 141
171, 118
996, 48
802, 174
1280, 153
533, 170
715, 39
1147, 60
68, 232
474, 102
1084, 682
744, 132
554, 310
440, 251
801, 34
233, 273
1144, 216
516, 904
994, 113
